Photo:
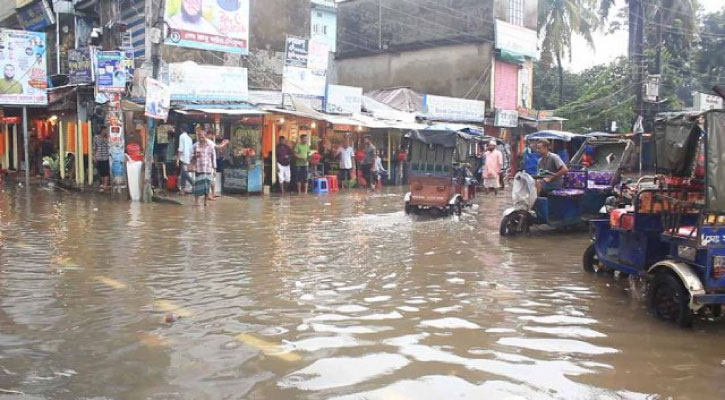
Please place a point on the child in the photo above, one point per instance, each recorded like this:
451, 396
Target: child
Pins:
378, 172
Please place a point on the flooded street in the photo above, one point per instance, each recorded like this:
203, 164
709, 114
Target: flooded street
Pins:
332, 297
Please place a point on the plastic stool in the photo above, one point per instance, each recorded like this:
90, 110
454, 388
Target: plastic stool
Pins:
332, 183
320, 185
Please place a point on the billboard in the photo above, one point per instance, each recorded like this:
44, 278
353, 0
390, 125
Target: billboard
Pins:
23, 63
220, 25
191, 81
343, 99
304, 81
296, 52
36, 16
516, 39
158, 99
80, 67
110, 72
442, 108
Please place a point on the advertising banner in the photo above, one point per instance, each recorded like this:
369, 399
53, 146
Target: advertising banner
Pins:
23, 62
191, 81
158, 99
296, 52
110, 72
220, 25
304, 81
80, 68
36, 16
443, 108
343, 99
506, 118
319, 55
128, 63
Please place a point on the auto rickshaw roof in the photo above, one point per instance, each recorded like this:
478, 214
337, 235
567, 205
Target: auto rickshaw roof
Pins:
554, 135
438, 137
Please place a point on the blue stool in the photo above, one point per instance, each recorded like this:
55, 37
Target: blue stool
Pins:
320, 185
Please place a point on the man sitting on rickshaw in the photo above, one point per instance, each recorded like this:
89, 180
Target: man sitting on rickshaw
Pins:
551, 167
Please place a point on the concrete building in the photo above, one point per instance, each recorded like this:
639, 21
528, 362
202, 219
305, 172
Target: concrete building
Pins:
475, 49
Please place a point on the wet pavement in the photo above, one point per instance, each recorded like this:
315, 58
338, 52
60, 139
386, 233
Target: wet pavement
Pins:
333, 297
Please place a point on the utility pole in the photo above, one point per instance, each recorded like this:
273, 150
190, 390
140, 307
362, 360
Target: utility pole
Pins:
636, 50
380, 24
154, 17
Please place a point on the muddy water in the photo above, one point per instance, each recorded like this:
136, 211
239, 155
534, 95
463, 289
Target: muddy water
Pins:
337, 297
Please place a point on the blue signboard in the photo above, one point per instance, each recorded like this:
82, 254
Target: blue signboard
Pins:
35, 16
110, 72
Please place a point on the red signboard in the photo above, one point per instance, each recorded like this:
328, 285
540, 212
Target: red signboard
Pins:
11, 120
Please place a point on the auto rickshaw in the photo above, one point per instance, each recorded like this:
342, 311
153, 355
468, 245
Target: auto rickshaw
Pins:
672, 235
440, 176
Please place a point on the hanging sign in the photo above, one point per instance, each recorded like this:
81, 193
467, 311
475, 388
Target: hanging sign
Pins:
158, 99
110, 72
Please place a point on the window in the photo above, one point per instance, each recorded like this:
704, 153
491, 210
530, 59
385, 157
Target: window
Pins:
516, 12
320, 29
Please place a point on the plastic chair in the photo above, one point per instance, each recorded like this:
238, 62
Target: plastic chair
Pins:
320, 185
332, 183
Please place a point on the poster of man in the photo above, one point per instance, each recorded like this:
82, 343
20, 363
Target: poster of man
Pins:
23, 65
221, 25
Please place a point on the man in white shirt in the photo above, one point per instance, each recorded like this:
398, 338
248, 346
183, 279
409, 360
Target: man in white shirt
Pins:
346, 154
183, 159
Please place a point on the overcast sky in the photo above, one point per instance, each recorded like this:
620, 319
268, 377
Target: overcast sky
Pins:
609, 47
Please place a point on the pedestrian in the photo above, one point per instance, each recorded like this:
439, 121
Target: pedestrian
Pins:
302, 156
218, 146
284, 159
183, 160
378, 171
492, 168
203, 160
102, 157
346, 154
369, 160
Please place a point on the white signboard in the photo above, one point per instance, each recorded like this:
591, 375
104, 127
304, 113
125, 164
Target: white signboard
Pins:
158, 99
343, 99
24, 78
516, 39
443, 108
319, 54
191, 81
304, 81
506, 118
704, 102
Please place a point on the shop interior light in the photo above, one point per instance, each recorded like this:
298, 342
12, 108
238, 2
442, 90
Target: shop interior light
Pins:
314, 124
53, 119
359, 128
281, 120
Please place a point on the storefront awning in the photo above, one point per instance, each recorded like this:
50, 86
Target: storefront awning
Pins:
221, 111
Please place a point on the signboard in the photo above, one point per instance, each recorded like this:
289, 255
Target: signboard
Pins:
296, 52
704, 102
158, 99
36, 17
343, 99
443, 108
319, 54
220, 25
516, 39
80, 68
110, 73
506, 118
128, 63
10, 120
191, 81
23, 60
304, 81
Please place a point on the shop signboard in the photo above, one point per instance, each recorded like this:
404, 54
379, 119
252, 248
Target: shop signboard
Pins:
110, 73
158, 99
304, 81
442, 108
80, 68
343, 99
296, 52
36, 16
516, 39
704, 102
318, 55
193, 82
219, 25
23, 60
506, 118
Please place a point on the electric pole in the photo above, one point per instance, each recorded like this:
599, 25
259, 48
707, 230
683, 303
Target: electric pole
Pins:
154, 19
636, 51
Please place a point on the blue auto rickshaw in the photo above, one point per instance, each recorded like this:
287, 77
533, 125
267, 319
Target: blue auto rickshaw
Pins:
673, 233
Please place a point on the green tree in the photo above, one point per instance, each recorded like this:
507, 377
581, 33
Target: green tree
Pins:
559, 20
710, 52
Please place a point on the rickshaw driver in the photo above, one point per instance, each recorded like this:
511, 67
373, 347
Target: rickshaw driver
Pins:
550, 163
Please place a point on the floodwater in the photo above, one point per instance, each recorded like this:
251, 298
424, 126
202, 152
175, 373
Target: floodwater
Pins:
334, 297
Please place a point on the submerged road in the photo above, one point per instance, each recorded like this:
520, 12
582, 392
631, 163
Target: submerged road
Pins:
332, 297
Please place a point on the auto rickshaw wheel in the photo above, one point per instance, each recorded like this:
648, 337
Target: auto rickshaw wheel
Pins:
669, 300
590, 260
514, 224
457, 208
410, 209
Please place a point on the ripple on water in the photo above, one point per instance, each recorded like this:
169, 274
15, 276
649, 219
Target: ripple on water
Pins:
450, 323
556, 345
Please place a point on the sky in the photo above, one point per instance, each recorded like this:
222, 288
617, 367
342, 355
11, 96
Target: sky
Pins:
609, 47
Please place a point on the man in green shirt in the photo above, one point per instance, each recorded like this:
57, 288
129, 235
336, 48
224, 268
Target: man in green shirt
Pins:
302, 154
8, 85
